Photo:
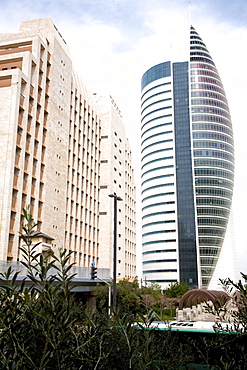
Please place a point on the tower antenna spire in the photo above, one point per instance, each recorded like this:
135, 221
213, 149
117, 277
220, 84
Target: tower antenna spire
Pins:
189, 20
189, 13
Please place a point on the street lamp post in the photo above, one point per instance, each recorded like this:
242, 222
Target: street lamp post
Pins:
116, 198
109, 295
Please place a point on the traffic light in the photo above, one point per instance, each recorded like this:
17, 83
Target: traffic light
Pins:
93, 272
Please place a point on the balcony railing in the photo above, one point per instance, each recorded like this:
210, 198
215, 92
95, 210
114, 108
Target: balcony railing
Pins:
31, 90
18, 141
22, 99
15, 181
35, 151
14, 202
24, 188
17, 160
20, 120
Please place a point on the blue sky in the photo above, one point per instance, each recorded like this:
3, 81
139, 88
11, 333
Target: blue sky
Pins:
125, 14
128, 15
113, 42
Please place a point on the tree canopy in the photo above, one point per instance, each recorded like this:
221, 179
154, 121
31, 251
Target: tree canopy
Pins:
176, 290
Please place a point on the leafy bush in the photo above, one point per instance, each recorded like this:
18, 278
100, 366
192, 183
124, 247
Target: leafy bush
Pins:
43, 327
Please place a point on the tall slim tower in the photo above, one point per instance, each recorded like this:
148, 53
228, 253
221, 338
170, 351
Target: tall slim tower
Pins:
187, 169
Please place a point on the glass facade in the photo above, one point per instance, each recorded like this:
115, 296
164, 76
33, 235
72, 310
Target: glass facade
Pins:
214, 164
187, 169
158, 169
188, 258
155, 73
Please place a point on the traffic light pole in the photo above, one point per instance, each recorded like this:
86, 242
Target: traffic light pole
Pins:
93, 271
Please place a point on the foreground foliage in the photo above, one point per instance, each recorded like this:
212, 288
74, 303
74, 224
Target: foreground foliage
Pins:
43, 327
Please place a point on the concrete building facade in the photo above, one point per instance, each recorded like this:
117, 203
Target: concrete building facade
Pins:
51, 145
116, 177
187, 170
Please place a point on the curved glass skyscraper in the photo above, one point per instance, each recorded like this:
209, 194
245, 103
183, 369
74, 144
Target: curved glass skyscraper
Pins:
187, 169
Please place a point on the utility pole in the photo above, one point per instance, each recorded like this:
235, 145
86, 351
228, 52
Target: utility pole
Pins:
116, 198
